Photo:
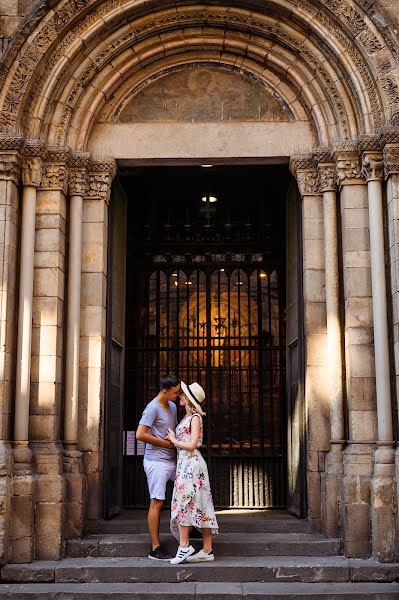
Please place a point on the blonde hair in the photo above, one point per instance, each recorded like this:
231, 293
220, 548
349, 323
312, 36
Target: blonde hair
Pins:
190, 408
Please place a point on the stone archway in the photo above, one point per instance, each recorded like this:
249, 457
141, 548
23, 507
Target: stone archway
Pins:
65, 79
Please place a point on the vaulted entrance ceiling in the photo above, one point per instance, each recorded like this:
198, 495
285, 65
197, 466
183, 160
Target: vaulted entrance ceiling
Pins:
84, 61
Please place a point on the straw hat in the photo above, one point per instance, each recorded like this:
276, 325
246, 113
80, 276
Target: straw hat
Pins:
195, 393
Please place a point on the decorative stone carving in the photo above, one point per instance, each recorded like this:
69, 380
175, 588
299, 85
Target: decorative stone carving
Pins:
373, 166
390, 140
303, 167
54, 177
10, 168
327, 177
100, 178
55, 170
32, 171
348, 162
77, 176
391, 160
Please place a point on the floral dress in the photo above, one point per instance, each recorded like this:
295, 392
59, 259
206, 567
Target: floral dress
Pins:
192, 498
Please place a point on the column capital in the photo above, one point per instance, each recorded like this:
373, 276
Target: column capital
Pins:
101, 174
349, 170
10, 167
77, 175
55, 175
33, 152
303, 167
373, 166
326, 167
390, 141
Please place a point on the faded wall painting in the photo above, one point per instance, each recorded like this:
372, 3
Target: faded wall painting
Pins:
204, 94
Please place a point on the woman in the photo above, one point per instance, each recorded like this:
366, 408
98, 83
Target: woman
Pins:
192, 503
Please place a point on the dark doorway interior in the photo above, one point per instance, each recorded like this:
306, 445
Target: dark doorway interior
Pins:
205, 299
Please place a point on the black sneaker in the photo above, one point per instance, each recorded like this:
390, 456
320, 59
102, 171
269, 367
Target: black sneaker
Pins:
159, 554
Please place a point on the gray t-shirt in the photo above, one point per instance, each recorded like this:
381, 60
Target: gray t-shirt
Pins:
158, 420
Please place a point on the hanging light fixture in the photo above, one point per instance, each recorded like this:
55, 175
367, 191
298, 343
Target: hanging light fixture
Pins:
209, 198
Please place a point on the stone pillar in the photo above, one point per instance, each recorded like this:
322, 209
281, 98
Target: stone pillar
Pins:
9, 204
93, 331
75, 505
22, 519
334, 458
359, 353
382, 489
314, 303
47, 351
390, 141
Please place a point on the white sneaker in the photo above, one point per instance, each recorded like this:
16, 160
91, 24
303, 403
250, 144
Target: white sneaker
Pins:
201, 556
182, 554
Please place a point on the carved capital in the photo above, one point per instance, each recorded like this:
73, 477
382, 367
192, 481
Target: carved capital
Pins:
100, 178
327, 177
373, 166
54, 177
32, 171
303, 167
77, 182
79, 164
390, 140
391, 160
349, 169
10, 167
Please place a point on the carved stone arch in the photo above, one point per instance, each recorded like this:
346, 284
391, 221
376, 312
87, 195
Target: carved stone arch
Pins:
366, 63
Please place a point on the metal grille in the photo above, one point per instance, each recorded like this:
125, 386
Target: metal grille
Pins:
206, 301
222, 326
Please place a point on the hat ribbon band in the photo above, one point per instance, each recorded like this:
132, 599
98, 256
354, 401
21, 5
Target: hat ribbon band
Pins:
191, 394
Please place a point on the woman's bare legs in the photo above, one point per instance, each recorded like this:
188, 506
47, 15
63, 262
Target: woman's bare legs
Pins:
184, 533
207, 535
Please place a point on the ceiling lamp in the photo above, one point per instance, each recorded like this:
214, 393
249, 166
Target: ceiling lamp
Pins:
208, 198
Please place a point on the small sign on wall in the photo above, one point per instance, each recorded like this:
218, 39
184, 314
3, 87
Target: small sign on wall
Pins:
131, 445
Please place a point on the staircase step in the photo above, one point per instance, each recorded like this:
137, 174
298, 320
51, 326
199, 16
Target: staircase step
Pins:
229, 522
227, 569
225, 544
201, 591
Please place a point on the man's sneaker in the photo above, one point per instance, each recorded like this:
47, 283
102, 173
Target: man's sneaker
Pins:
201, 556
159, 554
182, 554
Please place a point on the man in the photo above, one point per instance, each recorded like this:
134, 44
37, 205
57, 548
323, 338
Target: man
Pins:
159, 455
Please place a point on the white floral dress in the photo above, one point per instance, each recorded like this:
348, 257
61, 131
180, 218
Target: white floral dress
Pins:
192, 498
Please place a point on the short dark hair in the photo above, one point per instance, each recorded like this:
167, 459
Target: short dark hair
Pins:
168, 381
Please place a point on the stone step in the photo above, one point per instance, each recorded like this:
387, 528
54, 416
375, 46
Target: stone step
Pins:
201, 591
225, 544
226, 569
229, 522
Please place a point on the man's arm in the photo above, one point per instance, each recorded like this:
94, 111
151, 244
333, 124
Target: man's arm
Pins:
143, 436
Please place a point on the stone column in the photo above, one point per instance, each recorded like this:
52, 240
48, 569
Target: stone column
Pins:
390, 142
314, 305
382, 495
334, 459
22, 523
93, 331
47, 351
73, 465
359, 353
10, 159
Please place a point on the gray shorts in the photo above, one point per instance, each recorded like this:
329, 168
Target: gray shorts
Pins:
158, 473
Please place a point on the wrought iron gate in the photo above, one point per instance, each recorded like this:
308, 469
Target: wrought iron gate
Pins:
217, 317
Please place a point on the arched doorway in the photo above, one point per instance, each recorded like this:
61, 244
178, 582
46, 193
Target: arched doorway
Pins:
84, 86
